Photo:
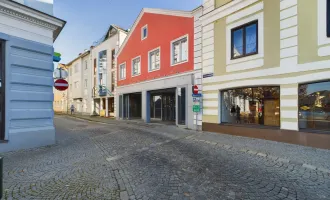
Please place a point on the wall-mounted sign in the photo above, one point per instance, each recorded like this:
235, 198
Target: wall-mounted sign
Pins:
207, 75
196, 108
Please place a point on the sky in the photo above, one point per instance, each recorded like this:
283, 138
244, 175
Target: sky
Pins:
88, 20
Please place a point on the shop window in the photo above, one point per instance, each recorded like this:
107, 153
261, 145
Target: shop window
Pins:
154, 60
314, 106
256, 106
180, 50
328, 18
244, 40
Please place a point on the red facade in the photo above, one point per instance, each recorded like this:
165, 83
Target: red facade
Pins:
162, 29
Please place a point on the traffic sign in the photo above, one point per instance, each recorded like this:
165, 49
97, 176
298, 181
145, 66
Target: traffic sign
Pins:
196, 108
196, 99
61, 84
195, 89
196, 95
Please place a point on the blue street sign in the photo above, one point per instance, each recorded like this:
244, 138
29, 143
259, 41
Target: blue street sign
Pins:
196, 95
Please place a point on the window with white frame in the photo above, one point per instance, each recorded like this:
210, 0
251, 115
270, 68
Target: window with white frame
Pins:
76, 69
180, 50
86, 64
136, 66
76, 84
122, 71
144, 32
154, 59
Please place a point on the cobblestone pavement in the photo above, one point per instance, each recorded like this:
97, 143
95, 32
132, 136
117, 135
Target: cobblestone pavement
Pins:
137, 161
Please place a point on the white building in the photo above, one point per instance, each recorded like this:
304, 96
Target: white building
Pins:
27, 33
105, 72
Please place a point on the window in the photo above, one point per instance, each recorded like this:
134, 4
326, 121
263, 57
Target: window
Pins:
136, 66
154, 60
86, 64
328, 18
76, 69
76, 84
113, 53
95, 66
244, 40
86, 83
122, 71
180, 50
144, 32
70, 70
256, 106
314, 106
112, 81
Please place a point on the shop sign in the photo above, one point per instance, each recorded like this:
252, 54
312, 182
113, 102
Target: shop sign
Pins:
196, 108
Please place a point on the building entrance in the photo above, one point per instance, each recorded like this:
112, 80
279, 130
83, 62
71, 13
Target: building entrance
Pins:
163, 105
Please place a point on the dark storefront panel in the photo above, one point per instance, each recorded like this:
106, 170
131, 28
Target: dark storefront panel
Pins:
182, 106
162, 105
2, 91
314, 106
255, 106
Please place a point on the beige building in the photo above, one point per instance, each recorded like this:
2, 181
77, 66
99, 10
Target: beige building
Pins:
104, 71
60, 104
80, 86
266, 69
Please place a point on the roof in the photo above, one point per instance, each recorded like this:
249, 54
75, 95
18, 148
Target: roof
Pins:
106, 35
80, 56
155, 11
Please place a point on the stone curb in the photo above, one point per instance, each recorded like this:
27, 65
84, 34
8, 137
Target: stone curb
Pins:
264, 155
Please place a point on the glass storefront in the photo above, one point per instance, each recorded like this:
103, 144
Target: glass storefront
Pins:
314, 106
256, 106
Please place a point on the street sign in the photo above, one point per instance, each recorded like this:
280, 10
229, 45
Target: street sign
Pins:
195, 89
196, 99
60, 73
196, 108
61, 84
196, 95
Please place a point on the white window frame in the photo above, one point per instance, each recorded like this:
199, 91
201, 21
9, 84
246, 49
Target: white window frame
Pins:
86, 83
120, 77
132, 66
86, 64
149, 60
142, 31
172, 48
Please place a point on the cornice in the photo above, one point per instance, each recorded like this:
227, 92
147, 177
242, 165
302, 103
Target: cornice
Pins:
27, 18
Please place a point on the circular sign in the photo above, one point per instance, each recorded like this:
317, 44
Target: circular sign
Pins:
195, 89
61, 84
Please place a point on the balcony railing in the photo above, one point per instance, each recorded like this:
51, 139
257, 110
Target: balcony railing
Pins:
101, 91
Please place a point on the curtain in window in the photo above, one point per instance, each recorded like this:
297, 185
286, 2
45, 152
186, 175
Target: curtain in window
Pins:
176, 52
184, 50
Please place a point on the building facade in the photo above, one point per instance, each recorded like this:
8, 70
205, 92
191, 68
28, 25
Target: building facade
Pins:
80, 86
26, 49
103, 74
156, 68
266, 67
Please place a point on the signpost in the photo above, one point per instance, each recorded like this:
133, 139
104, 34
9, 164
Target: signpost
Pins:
196, 108
61, 84
195, 89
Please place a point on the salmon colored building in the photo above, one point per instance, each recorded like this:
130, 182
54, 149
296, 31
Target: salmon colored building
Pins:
156, 68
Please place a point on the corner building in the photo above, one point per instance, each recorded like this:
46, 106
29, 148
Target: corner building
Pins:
266, 67
156, 68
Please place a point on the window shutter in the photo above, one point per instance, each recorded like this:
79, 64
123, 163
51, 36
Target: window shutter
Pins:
328, 18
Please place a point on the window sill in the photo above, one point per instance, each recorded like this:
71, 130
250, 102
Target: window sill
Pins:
136, 75
154, 70
244, 56
179, 63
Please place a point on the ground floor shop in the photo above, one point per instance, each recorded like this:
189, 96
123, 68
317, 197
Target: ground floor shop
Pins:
104, 107
297, 113
167, 100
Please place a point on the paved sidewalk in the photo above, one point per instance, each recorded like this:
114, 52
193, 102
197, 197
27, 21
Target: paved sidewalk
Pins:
301, 155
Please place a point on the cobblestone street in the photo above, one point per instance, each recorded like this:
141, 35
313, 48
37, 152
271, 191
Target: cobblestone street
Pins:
121, 160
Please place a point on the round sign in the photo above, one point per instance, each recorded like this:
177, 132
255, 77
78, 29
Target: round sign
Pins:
61, 84
195, 89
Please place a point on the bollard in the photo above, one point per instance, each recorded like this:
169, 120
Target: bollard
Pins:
1, 177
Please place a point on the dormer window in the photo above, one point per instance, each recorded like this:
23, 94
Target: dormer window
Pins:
144, 32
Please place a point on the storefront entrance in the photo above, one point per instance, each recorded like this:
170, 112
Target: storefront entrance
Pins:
130, 106
2, 91
163, 105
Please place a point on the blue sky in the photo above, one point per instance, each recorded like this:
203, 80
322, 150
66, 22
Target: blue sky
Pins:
88, 20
